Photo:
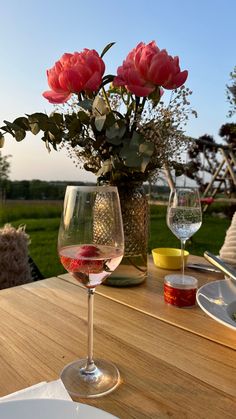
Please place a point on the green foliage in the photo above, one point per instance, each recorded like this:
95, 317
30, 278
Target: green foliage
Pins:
231, 93
112, 133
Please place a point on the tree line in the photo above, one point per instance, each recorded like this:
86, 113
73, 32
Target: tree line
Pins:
36, 189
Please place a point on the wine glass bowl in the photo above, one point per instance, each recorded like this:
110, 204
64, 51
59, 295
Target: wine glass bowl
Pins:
90, 247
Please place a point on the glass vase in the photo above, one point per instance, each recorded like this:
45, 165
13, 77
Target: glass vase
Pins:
135, 212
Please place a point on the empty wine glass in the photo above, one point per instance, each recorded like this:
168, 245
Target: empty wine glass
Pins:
184, 217
91, 246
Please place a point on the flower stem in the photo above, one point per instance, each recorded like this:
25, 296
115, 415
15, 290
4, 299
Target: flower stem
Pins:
106, 99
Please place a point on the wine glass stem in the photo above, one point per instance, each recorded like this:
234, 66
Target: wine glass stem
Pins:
90, 363
182, 256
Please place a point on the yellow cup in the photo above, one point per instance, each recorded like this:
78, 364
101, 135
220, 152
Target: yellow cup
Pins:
168, 258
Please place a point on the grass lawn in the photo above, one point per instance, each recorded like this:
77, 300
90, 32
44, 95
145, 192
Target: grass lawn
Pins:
42, 221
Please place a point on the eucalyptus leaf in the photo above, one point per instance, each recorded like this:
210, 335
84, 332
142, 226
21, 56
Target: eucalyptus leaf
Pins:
144, 163
34, 128
20, 135
124, 152
116, 130
146, 148
99, 106
22, 122
99, 122
136, 140
132, 160
74, 127
110, 120
38, 121
86, 104
57, 118
122, 127
11, 126
51, 137
2, 140
46, 144
83, 117
114, 140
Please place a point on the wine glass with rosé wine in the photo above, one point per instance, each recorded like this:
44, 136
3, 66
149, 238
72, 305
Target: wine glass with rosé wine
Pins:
90, 247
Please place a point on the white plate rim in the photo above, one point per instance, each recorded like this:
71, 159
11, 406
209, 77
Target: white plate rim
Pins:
201, 292
86, 408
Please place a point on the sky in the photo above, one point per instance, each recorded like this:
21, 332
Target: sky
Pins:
34, 34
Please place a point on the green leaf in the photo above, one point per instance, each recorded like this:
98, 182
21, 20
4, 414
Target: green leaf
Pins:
114, 140
136, 140
107, 47
107, 79
131, 159
2, 140
144, 163
99, 106
38, 121
74, 127
110, 120
130, 152
34, 128
86, 104
45, 139
83, 117
99, 122
106, 168
11, 126
20, 135
116, 130
146, 149
51, 137
22, 122
13, 129
57, 118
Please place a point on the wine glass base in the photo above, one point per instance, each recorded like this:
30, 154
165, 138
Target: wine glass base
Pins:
103, 378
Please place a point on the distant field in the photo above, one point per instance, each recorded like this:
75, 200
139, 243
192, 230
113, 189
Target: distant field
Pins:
42, 219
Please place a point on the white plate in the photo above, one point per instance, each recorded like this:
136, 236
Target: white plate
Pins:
218, 300
50, 409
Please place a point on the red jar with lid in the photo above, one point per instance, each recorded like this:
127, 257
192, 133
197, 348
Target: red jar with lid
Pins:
180, 292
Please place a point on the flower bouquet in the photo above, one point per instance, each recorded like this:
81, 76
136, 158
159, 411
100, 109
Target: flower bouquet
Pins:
116, 126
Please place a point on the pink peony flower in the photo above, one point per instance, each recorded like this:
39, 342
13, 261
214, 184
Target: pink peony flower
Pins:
146, 68
74, 73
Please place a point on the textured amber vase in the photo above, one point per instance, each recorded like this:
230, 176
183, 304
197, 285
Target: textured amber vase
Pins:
135, 212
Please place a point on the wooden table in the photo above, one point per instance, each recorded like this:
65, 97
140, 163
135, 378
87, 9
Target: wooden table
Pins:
176, 363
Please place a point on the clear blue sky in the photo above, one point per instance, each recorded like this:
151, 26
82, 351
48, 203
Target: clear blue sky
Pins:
35, 33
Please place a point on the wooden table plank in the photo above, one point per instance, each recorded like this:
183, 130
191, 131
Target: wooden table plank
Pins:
148, 298
165, 371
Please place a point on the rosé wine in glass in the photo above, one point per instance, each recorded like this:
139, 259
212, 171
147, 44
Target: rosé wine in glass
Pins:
90, 265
